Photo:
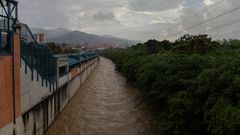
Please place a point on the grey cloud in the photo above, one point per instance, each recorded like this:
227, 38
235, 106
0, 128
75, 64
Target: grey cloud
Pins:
136, 19
154, 5
44, 13
195, 12
100, 16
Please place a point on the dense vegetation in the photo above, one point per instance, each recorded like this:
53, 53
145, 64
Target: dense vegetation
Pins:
56, 49
192, 85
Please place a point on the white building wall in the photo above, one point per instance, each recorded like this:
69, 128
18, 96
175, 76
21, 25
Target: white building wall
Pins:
63, 80
32, 91
37, 99
74, 85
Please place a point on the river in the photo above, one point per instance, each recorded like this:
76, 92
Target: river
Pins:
104, 105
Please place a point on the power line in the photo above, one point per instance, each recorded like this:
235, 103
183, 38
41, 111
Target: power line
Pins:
199, 24
199, 13
222, 26
222, 34
204, 10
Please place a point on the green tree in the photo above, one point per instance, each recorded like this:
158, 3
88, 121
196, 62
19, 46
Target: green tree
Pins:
192, 85
54, 48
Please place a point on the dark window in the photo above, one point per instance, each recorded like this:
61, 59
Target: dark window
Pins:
4, 45
62, 71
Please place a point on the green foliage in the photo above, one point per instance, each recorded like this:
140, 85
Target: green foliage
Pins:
192, 85
54, 48
70, 50
195, 44
58, 50
223, 118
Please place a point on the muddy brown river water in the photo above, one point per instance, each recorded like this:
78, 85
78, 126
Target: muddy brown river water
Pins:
104, 105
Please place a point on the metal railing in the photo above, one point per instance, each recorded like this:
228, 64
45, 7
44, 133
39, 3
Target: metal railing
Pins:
8, 19
80, 58
37, 57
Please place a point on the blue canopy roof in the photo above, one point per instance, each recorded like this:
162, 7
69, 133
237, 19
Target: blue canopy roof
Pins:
77, 58
72, 61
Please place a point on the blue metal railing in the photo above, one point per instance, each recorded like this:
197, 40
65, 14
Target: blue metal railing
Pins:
8, 20
80, 58
40, 58
37, 57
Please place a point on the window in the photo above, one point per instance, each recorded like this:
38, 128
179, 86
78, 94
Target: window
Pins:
62, 71
4, 45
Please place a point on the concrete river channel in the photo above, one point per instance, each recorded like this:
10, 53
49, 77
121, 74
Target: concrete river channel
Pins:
104, 105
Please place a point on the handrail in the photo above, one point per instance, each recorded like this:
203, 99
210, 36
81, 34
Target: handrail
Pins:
30, 32
8, 23
38, 57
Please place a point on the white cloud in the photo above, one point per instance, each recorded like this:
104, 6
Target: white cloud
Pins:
208, 2
154, 5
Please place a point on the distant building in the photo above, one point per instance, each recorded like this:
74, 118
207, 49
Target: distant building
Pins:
40, 38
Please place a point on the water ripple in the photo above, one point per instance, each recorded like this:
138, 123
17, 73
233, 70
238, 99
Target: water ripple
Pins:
105, 105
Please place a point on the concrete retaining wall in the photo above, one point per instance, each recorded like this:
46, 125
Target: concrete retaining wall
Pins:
32, 91
40, 106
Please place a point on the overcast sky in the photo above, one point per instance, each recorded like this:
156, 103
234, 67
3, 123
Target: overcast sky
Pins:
132, 19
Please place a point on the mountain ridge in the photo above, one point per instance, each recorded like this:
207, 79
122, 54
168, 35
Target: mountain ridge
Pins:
76, 37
